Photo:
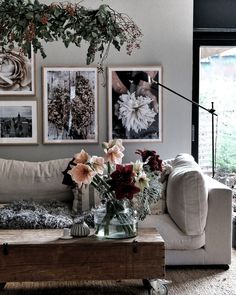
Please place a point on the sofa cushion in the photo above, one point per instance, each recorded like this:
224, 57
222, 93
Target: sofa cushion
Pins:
174, 238
33, 180
187, 195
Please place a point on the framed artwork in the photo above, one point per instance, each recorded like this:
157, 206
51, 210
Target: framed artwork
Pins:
17, 73
18, 121
135, 103
70, 105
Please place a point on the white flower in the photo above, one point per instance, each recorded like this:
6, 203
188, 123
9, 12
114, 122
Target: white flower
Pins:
135, 112
138, 167
142, 181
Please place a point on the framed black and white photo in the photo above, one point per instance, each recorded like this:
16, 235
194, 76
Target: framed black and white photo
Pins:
135, 103
17, 72
18, 121
70, 104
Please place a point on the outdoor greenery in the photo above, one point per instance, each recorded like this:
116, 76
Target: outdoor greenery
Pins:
29, 22
219, 86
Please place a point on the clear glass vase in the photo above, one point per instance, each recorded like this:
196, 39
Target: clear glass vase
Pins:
120, 222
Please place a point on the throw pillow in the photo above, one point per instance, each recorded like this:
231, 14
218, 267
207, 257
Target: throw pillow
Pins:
187, 195
85, 198
160, 206
33, 180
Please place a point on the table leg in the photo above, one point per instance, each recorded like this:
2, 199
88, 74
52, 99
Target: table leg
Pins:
2, 285
156, 286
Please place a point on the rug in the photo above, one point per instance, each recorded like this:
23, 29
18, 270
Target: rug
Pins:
184, 282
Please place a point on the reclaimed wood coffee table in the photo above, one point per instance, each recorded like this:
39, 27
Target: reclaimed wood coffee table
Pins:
40, 255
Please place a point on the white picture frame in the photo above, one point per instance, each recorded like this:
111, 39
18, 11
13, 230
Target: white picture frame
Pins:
17, 73
18, 122
135, 103
70, 105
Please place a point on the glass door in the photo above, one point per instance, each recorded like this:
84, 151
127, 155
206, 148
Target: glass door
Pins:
217, 83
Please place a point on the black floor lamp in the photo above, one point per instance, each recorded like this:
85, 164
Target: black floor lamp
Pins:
211, 111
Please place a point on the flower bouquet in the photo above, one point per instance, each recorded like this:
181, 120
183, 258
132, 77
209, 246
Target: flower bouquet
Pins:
116, 185
155, 172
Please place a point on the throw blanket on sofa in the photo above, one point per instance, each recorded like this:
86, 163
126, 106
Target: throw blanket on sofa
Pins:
27, 214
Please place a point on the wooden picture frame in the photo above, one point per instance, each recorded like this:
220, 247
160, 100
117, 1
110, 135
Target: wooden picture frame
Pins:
18, 122
17, 73
135, 103
70, 105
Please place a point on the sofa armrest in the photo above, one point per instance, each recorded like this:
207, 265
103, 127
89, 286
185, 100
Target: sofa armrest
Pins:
219, 223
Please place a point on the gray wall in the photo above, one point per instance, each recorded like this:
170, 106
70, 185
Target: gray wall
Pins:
167, 27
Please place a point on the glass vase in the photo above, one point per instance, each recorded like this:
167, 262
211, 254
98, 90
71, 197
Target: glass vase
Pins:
120, 222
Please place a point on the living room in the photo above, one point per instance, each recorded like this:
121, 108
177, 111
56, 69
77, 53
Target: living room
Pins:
166, 49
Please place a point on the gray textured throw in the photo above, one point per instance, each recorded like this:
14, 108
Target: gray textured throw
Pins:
24, 214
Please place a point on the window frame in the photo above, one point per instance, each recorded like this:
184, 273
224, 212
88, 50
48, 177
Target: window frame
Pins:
211, 37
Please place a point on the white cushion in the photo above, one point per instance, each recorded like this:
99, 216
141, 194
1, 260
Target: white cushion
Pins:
33, 180
174, 238
187, 195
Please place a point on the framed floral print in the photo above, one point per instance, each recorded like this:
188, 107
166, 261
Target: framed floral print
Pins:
17, 72
18, 122
70, 104
135, 103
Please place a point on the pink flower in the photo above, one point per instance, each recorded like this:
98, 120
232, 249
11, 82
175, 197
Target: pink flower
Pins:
98, 164
111, 143
82, 174
81, 157
120, 145
114, 155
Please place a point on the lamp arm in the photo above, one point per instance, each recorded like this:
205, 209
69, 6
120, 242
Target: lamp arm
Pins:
211, 111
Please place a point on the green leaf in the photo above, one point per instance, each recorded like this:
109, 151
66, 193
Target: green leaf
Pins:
29, 15
57, 12
116, 44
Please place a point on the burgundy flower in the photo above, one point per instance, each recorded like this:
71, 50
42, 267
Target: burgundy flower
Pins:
122, 182
153, 160
155, 163
145, 154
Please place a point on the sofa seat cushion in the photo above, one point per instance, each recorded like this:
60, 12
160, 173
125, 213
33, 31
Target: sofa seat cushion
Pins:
33, 180
187, 195
174, 238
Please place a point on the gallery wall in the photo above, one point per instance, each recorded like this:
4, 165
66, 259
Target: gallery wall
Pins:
167, 27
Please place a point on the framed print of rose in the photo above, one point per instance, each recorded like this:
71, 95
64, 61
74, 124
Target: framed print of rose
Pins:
135, 103
16, 73
18, 122
70, 105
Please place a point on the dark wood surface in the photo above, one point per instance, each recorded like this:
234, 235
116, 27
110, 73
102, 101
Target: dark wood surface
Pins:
36, 255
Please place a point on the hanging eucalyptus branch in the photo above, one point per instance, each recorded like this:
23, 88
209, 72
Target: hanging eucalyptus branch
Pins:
27, 22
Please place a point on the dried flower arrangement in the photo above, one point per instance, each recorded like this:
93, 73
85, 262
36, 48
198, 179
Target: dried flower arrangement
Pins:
29, 23
80, 108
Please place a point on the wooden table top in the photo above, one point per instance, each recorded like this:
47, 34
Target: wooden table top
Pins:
52, 236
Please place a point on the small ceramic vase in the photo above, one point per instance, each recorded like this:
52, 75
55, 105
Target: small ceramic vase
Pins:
80, 230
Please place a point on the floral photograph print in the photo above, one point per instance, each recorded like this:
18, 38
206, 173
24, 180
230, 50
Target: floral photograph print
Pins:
16, 73
135, 103
70, 105
18, 121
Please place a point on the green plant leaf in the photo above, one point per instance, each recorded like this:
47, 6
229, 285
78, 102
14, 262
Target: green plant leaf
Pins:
29, 15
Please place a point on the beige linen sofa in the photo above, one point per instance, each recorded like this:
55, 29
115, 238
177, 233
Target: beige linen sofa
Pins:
197, 225
196, 229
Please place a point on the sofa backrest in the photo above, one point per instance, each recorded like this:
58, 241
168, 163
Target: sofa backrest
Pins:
187, 195
33, 180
